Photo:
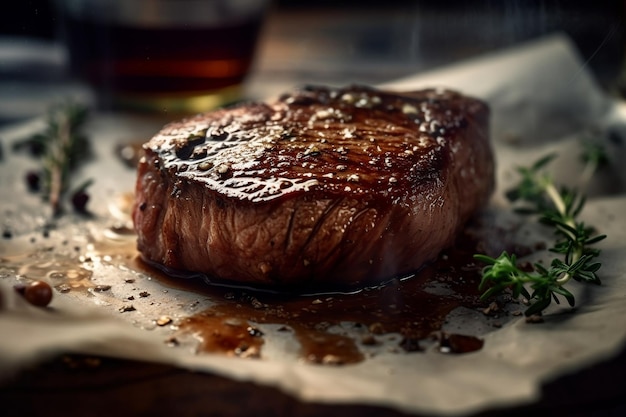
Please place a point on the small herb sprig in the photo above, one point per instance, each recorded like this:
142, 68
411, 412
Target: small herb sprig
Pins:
61, 147
557, 207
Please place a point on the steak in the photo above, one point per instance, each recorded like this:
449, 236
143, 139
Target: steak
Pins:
318, 188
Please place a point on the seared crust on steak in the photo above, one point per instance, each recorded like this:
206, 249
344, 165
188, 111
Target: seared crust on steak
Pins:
321, 187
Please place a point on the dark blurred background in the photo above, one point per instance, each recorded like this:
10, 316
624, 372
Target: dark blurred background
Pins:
362, 41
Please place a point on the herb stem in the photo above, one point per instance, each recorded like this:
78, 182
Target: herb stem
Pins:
560, 206
58, 161
588, 171
556, 198
563, 279
557, 207
62, 148
594, 157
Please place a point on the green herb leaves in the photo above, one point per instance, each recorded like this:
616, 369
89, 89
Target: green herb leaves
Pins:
61, 147
558, 208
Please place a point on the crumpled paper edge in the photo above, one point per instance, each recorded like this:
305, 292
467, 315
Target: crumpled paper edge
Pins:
512, 357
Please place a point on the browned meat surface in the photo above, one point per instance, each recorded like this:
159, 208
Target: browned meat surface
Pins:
322, 187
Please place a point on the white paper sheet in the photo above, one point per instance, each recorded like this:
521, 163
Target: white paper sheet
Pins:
542, 99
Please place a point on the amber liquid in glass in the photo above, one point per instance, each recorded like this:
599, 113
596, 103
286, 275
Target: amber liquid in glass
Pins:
152, 63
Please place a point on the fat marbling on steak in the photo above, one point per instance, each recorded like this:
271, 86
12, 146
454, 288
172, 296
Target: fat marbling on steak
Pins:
320, 187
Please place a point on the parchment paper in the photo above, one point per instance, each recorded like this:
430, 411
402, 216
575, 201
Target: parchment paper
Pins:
542, 99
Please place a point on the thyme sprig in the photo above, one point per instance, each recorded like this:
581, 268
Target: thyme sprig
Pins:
557, 207
61, 147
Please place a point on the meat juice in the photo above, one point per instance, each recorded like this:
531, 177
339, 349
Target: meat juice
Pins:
413, 309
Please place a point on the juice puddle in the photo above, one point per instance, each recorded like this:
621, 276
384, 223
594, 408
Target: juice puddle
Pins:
414, 308
331, 328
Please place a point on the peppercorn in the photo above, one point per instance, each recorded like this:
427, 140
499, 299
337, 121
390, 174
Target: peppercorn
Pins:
37, 293
79, 201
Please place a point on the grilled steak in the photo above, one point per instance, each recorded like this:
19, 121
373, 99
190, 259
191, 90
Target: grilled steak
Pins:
330, 187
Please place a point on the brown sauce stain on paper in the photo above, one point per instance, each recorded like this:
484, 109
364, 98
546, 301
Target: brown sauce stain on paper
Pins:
413, 308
